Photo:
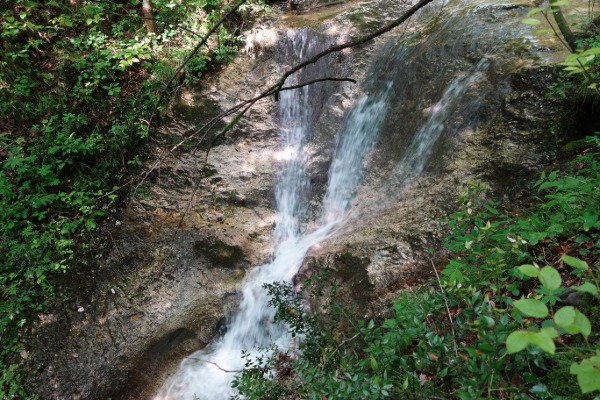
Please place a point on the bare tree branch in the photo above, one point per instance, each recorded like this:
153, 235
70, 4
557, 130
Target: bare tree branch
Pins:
357, 42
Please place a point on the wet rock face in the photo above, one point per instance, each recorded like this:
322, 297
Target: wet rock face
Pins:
169, 282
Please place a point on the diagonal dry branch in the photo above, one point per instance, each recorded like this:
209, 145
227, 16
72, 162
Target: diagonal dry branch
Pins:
278, 87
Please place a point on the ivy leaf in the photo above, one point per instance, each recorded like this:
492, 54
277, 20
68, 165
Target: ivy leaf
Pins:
532, 308
588, 373
550, 278
575, 262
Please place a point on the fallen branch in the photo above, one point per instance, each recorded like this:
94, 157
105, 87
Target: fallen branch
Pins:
360, 41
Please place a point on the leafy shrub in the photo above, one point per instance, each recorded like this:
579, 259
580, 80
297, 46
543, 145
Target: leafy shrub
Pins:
76, 85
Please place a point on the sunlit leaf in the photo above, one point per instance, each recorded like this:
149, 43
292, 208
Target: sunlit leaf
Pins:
587, 287
516, 341
550, 278
530, 270
588, 374
565, 317
532, 307
534, 11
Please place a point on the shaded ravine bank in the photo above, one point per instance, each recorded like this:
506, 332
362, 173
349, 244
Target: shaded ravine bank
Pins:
163, 292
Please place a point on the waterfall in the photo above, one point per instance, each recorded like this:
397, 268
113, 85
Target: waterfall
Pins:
207, 374
419, 150
293, 184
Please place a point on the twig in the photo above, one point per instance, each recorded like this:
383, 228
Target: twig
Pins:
235, 371
447, 307
242, 107
337, 348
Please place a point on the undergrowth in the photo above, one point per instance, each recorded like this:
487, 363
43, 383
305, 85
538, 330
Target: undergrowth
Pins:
77, 83
513, 315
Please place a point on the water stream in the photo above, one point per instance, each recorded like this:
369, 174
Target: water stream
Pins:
207, 374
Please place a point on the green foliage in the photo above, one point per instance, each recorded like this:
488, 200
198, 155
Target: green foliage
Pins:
566, 320
76, 85
497, 327
583, 63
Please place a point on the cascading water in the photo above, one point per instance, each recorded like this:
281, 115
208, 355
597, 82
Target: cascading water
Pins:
204, 374
295, 114
208, 373
418, 152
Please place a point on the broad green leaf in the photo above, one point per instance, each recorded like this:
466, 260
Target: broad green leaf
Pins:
571, 59
559, 3
582, 323
549, 331
565, 317
516, 341
531, 21
550, 278
587, 287
573, 321
592, 51
588, 374
532, 308
530, 270
575, 262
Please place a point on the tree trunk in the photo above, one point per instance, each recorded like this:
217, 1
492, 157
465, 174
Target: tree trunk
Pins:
149, 17
564, 27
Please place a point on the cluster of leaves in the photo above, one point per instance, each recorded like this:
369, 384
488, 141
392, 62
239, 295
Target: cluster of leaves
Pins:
583, 62
482, 331
77, 80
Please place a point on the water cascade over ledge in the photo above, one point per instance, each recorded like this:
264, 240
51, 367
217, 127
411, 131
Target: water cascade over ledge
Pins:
207, 374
